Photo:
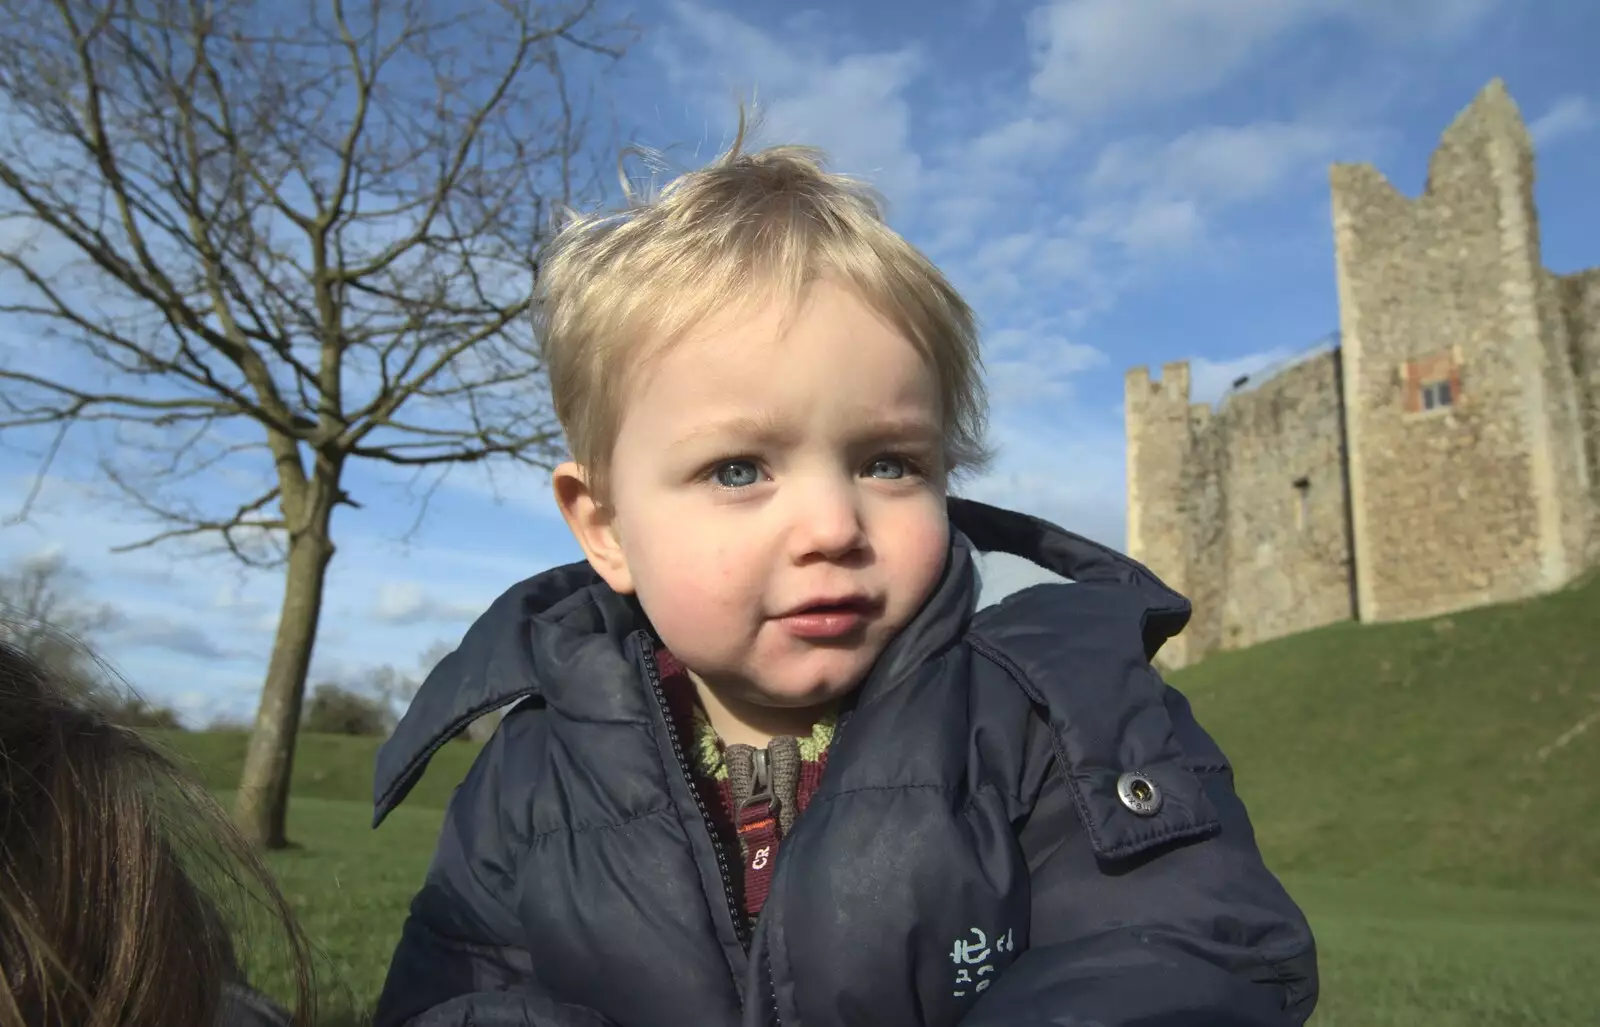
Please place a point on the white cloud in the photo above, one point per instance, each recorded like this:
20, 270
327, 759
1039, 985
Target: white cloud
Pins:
1026, 366
195, 706
1569, 116
147, 629
519, 488
1018, 142
1068, 470
239, 597
1158, 223
857, 105
1423, 21
411, 602
854, 106
988, 179
856, 109
1094, 56
1150, 196
1003, 252
1222, 163
1026, 266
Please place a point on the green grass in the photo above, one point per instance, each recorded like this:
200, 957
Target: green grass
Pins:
350, 885
325, 767
1413, 751
1451, 872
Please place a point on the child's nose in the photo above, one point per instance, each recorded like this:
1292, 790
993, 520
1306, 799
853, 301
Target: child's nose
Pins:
828, 523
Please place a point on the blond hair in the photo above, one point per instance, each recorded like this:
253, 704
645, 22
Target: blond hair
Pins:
746, 228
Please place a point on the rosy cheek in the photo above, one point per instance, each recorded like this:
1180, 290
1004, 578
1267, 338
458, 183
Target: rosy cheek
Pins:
932, 546
709, 578
723, 556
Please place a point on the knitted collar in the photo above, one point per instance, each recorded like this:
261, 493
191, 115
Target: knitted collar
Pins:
710, 751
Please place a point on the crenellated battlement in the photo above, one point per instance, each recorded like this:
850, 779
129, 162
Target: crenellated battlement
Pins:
1172, 387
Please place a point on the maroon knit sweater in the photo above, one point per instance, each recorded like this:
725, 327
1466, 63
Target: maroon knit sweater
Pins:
757, 839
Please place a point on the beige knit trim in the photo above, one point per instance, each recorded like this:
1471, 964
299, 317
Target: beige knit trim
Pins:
708, 747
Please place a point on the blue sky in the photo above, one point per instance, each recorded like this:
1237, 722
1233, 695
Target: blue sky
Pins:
1111, 183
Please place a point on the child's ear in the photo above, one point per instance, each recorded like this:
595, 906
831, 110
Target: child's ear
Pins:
592, 524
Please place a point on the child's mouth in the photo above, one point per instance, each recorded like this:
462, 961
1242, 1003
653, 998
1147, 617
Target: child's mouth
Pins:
830, 619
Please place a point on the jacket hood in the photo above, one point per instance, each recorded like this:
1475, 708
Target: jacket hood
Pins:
560, 636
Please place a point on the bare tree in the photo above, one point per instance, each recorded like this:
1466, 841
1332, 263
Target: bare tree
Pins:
252, 244
41, 590
394, 688
42, 613
335, 709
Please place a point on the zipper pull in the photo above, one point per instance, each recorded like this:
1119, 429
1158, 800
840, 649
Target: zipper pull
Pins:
762, 801
761, 788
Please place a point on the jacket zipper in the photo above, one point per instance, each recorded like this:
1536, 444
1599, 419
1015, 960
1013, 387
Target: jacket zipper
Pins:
761, 791
761, 787
728, 893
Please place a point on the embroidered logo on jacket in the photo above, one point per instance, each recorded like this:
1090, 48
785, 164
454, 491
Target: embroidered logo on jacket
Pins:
972, 956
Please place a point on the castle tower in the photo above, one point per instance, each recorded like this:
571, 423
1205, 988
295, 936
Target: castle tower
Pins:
1467, 475
1160, 446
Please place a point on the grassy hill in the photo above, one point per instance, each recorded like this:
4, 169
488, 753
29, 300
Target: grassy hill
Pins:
335, 767
1428, 750
1430, 793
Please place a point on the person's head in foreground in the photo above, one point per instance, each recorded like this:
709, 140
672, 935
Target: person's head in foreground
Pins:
104, 843
766, 392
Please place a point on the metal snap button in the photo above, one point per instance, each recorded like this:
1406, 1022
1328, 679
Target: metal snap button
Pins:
1139, 793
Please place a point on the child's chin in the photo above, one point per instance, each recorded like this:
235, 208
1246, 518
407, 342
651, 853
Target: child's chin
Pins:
812, 689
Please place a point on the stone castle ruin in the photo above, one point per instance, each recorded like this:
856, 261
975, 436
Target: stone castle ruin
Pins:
1444, 454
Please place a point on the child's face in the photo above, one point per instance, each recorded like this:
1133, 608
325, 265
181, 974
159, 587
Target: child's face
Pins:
762, 467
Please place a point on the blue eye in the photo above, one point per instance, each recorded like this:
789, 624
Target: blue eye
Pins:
736, 474
890, 467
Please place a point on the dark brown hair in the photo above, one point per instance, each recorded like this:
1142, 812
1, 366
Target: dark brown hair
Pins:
122, 881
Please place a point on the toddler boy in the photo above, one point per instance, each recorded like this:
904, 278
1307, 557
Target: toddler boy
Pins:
768, 763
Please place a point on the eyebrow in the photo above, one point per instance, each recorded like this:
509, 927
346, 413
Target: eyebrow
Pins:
769, 431
757, 428
901, 428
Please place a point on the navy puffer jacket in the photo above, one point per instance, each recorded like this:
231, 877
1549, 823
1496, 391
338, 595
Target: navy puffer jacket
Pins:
1020, 824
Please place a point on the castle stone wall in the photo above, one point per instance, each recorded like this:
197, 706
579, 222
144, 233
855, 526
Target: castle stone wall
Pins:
1256, 520
1580, 304
1288, 536
1159, 444
1208, 546
1565, 396
1446, 456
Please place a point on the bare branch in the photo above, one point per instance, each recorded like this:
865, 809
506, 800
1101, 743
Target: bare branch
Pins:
516, 447
248, 517
37, 484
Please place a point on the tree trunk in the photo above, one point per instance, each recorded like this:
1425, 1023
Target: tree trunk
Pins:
262, 804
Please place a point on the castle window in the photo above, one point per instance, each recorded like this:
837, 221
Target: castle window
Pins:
1302, 504
1431, 383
